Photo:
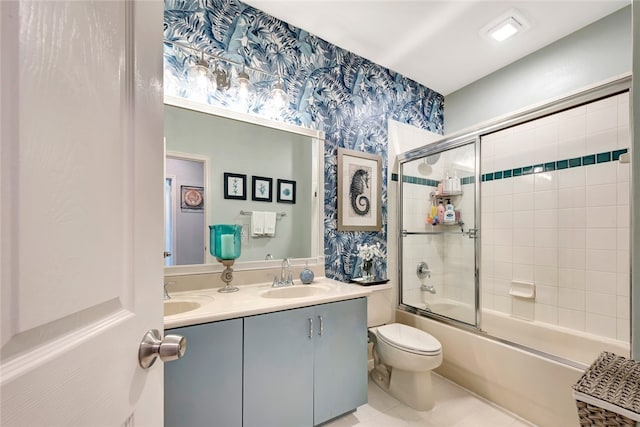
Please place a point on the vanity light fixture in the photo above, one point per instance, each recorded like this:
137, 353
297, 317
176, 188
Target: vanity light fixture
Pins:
505, 26
220, 79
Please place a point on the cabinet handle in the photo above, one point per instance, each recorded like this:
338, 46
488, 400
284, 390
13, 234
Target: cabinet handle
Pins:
310, 328
321, 325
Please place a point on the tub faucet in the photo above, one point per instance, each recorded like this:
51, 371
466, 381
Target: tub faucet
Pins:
428, 288
166, 293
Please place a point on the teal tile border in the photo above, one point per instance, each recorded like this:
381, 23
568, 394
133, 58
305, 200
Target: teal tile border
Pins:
615, 155
590, 159
603, 157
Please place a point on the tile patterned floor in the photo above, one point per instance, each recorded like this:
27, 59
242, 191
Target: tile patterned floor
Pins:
454, 407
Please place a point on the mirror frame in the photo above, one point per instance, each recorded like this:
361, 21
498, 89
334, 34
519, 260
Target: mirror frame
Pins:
317, 232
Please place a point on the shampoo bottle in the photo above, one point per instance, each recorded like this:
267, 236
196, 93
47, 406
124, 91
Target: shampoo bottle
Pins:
440, 211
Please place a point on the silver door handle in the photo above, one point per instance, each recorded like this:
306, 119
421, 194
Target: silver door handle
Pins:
152, 346
321, 325
310, 328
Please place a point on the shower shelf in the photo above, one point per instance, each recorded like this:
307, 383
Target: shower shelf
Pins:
450, 194
432, 233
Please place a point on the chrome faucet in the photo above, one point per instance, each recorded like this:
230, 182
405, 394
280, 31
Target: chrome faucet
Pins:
423, 271
286, 264
428, 288
166, 293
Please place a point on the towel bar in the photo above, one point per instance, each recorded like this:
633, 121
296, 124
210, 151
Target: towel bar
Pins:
249, 213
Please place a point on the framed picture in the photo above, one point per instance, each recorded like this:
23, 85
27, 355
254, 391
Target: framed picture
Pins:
235, 186
286, 191
191, 198
359, 191
261, 189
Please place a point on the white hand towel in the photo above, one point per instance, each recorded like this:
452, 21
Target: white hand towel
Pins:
269, 223
257, 223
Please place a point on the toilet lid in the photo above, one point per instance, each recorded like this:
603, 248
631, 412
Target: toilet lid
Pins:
409, 338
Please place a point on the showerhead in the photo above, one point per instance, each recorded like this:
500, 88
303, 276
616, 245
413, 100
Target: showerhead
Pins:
425, 167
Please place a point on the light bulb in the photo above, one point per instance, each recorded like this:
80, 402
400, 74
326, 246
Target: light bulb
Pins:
278, 96
243, 83
199, 75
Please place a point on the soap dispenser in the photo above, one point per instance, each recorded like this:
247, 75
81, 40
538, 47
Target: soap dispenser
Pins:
449, 213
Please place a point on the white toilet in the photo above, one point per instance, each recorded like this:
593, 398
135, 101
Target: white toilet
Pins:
403, 355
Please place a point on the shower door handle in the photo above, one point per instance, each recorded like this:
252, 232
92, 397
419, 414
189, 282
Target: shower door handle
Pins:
472, 233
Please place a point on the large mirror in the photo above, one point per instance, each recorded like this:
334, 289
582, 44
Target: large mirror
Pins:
224, 167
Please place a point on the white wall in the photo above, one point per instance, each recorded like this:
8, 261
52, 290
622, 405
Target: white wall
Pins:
598, 52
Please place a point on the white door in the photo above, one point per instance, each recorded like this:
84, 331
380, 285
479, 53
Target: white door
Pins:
81, 205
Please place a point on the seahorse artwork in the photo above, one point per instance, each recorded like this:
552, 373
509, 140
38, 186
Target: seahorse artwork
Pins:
359, 183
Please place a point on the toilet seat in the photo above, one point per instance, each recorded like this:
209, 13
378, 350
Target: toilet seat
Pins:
409, 339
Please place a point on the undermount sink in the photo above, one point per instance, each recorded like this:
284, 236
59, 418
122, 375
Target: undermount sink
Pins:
176, 307
300, 291
182, 304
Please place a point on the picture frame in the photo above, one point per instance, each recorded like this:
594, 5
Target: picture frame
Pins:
359, 191
235, 186
191, 198
261, 189
286, 191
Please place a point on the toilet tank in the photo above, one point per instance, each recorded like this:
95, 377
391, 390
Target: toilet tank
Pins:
379, 305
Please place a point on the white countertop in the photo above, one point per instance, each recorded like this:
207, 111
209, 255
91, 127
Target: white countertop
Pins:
249, 301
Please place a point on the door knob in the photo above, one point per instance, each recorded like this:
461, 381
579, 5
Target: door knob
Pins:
152, 346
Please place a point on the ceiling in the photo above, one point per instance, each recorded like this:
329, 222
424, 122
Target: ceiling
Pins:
437, 43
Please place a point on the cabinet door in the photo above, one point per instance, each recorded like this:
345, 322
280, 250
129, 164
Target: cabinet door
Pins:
340, 358
204, 388
278, 369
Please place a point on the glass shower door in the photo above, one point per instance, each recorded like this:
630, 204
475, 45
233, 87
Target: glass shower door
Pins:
438, 272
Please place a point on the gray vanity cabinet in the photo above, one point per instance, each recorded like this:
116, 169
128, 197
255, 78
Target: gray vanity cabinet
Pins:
340, 359
305, 366
204, 388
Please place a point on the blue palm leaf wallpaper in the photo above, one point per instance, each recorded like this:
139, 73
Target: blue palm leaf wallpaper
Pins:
328, 88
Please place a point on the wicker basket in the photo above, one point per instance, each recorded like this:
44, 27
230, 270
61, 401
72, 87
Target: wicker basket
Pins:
608, 393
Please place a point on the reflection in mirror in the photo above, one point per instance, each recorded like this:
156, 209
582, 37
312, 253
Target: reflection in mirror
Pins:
185, 208
269, 167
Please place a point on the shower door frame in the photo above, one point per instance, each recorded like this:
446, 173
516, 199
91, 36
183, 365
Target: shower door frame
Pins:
437, 147
604, 90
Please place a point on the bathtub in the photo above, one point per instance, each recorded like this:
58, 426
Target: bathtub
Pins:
528, 383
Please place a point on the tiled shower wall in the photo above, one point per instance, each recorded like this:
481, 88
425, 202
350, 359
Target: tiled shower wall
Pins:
450, 256
555, 213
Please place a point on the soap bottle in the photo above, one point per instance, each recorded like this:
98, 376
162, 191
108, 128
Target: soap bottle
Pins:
446, 186
457, 186
306, 276
440, 211
449, 213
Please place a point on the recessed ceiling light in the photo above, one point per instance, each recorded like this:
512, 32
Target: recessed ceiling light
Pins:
505, 26
505, 30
